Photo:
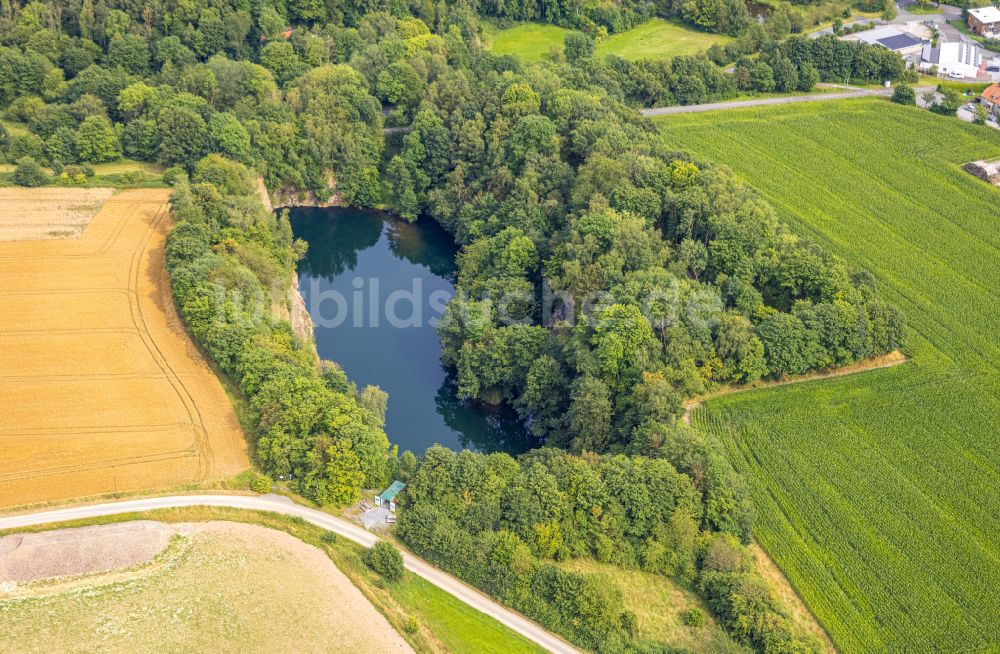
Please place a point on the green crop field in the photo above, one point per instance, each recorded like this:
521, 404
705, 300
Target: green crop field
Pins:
878, 494
654, 39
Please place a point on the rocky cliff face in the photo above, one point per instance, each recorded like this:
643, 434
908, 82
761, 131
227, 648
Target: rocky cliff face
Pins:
289, 195
289, 305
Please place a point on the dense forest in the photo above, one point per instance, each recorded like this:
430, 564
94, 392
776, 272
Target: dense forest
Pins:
604, 277
170, 83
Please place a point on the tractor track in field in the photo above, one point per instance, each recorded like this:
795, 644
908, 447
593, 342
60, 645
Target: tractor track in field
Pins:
118, 353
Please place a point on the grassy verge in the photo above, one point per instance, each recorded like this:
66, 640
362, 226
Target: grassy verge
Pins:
98, 181
122, 174
445, 623
111, 168
964, 88
973, 4
817, 90
659, 39
889, 360
823, 16
922, 10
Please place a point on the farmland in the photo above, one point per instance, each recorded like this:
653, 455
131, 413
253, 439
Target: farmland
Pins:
102, 389
33, 214
877, 493
206, 592
654, 39
446, 625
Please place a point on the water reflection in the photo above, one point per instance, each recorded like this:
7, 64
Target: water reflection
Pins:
502, 431
333, 244
365, 257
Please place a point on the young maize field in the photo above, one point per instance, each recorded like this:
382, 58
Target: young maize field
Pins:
878, 494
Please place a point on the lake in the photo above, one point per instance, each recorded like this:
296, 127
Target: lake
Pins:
375, 286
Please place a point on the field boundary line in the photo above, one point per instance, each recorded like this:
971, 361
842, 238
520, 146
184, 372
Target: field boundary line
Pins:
101, 248
889, 360
25, 379
760, 102
67, 291
32, 431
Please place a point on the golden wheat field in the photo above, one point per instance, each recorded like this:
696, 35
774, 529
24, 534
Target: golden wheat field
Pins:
101, 389
43, 213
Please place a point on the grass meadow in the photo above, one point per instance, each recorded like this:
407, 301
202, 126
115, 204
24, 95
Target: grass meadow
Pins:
877, 494
654, 39
660, 605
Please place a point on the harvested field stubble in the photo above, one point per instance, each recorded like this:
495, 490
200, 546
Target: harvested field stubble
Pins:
28, 214
103, 390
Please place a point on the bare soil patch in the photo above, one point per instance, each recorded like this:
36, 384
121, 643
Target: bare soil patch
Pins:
103, 390
80, 551
988, 171
233, 588
47, 213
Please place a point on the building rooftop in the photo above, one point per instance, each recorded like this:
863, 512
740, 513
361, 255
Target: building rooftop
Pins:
965, 53
874, 35
889, 37
992, 93
390, 493
986, 14
966, 59
899, 42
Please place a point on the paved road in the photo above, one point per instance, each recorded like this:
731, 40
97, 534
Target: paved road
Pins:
944, 14
851, 22
738, 104
968, 115
283, 505
849, 92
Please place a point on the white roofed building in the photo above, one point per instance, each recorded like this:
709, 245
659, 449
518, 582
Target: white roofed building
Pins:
954, 60
985, 21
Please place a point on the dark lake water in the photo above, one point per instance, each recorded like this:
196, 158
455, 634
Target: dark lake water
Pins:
375, 287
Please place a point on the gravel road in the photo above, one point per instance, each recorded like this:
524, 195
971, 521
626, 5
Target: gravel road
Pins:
739, 104
284, 506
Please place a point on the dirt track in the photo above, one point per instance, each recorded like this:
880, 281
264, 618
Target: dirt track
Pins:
101, 389
889, 360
